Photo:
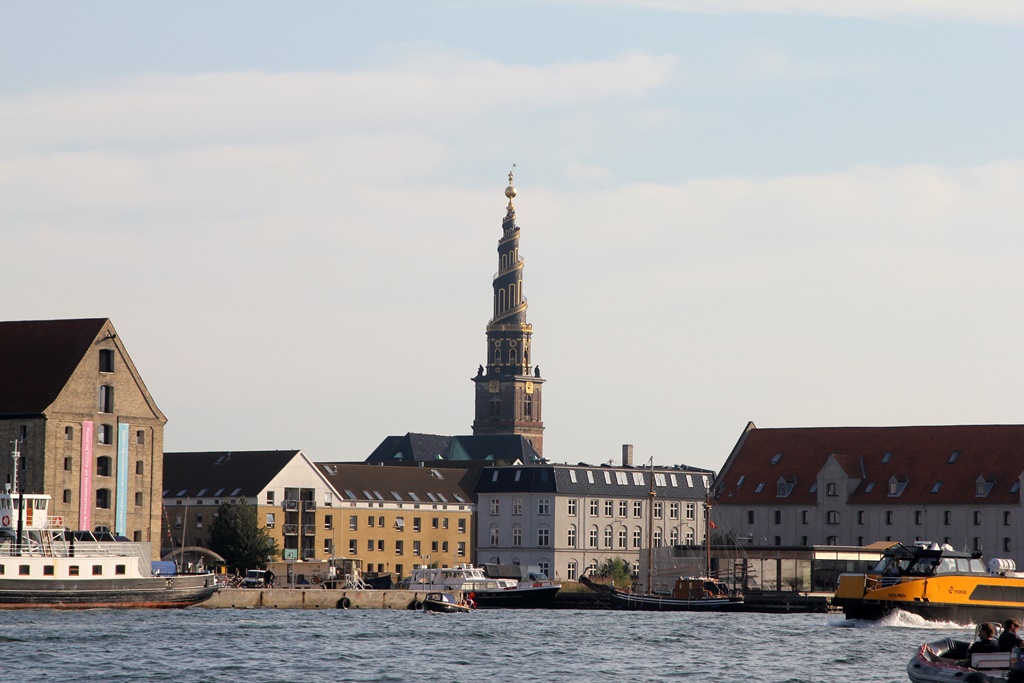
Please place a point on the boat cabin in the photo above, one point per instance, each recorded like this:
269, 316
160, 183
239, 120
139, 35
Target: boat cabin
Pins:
698, 588
927, 560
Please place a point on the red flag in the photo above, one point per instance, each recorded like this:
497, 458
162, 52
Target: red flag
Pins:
713, 525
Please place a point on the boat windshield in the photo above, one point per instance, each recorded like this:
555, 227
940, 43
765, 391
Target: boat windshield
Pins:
928, 565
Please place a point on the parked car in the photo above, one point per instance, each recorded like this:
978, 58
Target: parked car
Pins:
255, 578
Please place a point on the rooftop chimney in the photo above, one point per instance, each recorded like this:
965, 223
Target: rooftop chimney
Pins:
627, 455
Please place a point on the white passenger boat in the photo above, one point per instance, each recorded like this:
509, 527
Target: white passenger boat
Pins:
483, 590
42, 564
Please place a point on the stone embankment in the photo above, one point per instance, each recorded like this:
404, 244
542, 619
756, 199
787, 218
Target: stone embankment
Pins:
315, 598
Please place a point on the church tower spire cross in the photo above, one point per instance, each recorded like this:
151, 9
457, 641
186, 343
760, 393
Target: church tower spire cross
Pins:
508, 387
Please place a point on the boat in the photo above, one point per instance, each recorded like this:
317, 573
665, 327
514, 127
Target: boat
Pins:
474, 584
443, 602
43, 564
689, 594
533, 587
934, 582
945, 661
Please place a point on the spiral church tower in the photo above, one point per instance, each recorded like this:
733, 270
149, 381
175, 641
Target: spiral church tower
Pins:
508, 388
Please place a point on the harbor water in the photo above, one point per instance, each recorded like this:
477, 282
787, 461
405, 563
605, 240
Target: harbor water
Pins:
266, 645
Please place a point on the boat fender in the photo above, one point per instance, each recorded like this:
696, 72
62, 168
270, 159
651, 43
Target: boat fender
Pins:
416, 605
977, 677
344, 603
6, 520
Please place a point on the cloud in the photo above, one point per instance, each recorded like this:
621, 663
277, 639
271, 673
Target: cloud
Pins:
432, 92
969, 11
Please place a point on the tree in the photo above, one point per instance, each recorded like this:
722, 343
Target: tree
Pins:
617, 570
237, 536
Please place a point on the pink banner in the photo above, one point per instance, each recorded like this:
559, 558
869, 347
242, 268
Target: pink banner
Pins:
85, 489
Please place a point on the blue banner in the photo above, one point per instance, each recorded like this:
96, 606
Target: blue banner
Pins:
121, 497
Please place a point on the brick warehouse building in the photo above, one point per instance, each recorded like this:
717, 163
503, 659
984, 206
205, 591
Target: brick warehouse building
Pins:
89, 433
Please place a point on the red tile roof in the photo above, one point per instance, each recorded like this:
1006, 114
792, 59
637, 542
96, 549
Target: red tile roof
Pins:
919, 456
37, 357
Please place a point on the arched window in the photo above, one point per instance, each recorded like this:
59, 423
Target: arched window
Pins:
140, 467
673, 537
570, 570
511, 356
571, 537
103, 499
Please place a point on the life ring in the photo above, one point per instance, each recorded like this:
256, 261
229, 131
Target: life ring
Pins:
316, 580
6, 521
416, 605
344, 603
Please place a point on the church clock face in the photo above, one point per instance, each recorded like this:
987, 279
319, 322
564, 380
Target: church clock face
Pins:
494, 386
529, 387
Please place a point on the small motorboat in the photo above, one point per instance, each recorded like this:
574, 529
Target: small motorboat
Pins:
945, 661
443, 602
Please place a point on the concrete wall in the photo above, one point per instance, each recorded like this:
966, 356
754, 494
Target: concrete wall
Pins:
315, 598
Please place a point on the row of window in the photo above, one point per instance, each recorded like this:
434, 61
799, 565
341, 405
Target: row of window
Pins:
610, 535
378, 546
1007, 543
73, 570
544, 508
104, 466
105, 434
435, 522
833, 517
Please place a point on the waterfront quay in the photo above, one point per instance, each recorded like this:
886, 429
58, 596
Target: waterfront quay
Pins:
326, 598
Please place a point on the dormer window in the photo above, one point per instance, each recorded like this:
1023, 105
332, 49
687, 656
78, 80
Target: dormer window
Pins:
783, 487
982, 487
896, 486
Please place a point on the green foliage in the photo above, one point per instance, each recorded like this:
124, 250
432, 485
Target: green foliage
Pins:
617, 570
236, 535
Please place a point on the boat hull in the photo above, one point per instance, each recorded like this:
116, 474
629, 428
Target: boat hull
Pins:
942, 661
516, 597
149, 592
968, 599
657, 603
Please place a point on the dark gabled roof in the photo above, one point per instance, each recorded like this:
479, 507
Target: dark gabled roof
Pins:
592, 481
920, 459
495, 447
428, 448
38, 357
423, 485
411, 448
222, 473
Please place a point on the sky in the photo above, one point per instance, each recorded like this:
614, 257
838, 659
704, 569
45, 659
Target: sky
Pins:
786, 212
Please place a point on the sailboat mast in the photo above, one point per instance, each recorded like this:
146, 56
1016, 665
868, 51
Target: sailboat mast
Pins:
707, 532
650, 532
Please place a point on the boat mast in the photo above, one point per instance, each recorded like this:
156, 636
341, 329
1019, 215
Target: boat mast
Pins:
707, 532
650, 532
20, 505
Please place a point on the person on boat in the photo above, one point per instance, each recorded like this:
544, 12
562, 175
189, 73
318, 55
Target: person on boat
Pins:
986, 640
1009, 638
